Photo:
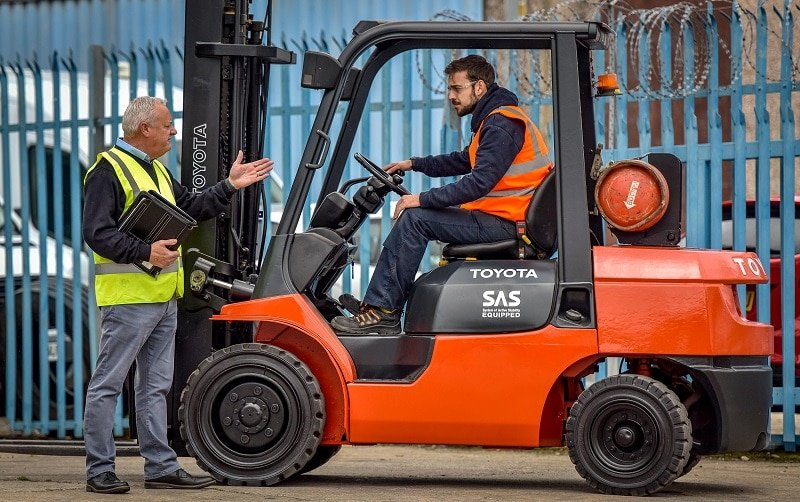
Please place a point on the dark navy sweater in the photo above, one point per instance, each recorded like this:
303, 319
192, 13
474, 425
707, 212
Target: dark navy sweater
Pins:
501, 140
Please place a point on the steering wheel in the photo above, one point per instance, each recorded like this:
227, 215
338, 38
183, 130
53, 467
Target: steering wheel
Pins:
382, 175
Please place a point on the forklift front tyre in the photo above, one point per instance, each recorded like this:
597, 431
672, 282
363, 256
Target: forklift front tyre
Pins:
694, 459
252, 414
323, 454
629, 435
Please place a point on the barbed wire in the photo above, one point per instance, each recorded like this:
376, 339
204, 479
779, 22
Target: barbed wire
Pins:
691, 31
444, 15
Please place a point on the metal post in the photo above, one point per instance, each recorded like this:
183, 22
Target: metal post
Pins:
788, 215
97, 72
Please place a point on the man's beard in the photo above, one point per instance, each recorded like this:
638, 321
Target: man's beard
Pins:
467, 109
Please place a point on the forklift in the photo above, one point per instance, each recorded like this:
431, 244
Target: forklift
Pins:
497, 342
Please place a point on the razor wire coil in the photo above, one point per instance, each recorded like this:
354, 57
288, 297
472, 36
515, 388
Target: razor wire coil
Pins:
690, 28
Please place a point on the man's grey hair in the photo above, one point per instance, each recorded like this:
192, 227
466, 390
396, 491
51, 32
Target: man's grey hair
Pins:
140, 111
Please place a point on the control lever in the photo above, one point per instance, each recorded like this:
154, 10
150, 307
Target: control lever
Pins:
371, 195
397, 177
201, 278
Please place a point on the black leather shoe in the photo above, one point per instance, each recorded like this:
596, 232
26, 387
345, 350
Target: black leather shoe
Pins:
370, 320
350, 303
107, 482
179, 479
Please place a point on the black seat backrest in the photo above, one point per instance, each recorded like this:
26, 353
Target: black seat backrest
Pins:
541, 218
541, 227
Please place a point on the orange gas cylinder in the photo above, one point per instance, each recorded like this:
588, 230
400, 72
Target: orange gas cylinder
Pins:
631, 195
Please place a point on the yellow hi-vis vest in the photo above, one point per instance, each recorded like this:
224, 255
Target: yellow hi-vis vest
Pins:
509, 199
121, 284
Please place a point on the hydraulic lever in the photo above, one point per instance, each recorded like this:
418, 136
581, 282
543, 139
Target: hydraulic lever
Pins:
202, 280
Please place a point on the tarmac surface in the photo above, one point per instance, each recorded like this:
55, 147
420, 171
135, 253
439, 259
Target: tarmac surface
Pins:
418, 473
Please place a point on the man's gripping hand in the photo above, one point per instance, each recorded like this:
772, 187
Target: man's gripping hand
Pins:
161, 255
403, 165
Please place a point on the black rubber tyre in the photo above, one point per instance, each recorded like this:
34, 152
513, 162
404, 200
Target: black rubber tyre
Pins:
629, 435
320, 458
69, 366
694, 459
252, 414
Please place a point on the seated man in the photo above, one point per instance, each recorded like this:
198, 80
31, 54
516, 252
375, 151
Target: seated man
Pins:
503, 164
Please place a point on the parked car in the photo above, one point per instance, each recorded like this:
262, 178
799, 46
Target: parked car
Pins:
775, 277
38, 288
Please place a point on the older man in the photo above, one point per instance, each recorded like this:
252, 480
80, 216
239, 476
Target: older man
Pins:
138, 312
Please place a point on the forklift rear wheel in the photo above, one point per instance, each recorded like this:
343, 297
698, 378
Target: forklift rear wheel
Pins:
629, 435
252, 414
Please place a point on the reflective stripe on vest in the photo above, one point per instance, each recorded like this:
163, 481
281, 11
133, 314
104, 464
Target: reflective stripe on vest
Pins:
126, 268
510, 196
118, 283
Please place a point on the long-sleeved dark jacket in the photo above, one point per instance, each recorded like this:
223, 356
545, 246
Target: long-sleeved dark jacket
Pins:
501, 140
104, 201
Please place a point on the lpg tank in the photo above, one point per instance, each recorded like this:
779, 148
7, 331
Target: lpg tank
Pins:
631, 195
493, 296
641, 199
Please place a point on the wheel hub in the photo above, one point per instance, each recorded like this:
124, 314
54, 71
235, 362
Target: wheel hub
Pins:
251, 415
625, 437
628, 438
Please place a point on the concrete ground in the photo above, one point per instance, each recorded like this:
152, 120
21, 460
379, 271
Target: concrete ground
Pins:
776, 423
419, 473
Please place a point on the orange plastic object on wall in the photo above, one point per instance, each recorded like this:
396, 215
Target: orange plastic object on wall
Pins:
631, 195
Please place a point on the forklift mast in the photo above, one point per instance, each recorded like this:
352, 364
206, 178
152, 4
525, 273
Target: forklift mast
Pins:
228, 54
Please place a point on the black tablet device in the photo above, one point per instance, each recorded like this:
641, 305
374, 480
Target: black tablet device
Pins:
152, 218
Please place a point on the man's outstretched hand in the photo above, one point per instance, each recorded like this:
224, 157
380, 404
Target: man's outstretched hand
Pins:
243, 175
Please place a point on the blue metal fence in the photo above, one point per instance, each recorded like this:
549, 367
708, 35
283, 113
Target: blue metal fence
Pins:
49, 325
661, 69
65, 25
43, 275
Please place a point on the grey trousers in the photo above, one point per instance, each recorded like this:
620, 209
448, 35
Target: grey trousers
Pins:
144, 333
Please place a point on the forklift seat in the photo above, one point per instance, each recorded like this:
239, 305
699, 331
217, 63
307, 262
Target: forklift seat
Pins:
541, 228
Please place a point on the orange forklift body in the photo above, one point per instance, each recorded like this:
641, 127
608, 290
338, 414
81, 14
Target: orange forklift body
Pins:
450, 402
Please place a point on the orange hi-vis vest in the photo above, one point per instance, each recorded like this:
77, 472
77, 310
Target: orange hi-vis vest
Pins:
509, 199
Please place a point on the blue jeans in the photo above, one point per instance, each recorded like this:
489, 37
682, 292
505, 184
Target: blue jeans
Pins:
405, 246
143, 332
